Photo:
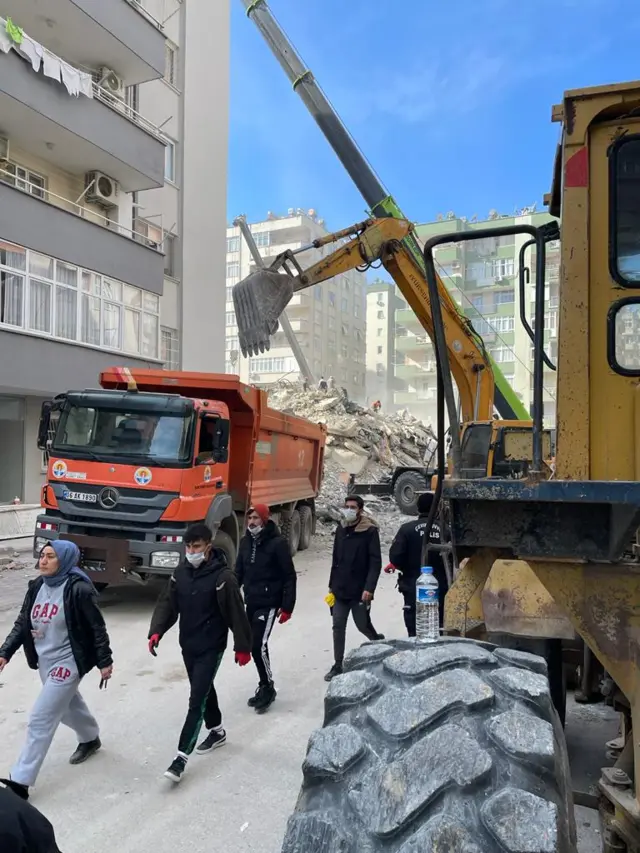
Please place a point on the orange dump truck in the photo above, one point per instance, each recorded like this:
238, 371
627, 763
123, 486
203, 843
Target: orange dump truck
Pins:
133, 464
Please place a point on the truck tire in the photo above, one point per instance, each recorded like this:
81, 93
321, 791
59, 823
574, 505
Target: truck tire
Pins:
225, 543
452, 746
306, 527
290, 529
406, 490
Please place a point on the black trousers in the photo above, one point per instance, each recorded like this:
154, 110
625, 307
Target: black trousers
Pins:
262, 621
409, 609
203, 699
361, 613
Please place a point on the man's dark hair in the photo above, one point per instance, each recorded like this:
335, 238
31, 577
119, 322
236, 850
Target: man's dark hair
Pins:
424, 502
198, 532
356, 499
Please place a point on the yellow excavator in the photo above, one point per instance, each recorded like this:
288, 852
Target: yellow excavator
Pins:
456, 744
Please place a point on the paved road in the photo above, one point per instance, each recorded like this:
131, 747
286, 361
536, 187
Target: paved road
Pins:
238, 798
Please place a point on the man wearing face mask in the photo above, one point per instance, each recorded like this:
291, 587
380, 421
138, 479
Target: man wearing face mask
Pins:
355, 570
265, 570
203, 594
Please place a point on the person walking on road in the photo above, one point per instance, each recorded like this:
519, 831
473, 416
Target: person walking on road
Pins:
265, 570
203, 594
63, 634
355, 569
405, 556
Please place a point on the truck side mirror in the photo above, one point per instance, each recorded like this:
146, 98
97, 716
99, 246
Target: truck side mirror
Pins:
221, 441
43, 427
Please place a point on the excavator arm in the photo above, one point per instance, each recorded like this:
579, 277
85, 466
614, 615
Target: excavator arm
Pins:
261, 297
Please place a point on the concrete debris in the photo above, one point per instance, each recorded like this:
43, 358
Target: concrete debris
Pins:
367, 444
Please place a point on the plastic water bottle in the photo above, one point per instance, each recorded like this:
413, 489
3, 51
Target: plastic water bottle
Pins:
427, 614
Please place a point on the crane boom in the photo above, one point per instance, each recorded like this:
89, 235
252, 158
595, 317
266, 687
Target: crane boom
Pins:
381, 204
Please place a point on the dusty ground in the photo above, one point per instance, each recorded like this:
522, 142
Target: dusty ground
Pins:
235, 799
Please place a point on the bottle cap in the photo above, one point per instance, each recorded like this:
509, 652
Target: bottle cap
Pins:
427, 570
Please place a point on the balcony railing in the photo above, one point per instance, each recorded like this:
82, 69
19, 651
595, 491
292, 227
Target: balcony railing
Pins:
123, 108
76, 208
145, 14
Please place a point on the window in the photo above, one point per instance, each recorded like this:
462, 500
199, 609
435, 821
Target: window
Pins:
24, 179
54, 298
625, 211
503, 296
502, 267
233, 269
344, 350
356, 310
502, 354
623, 337
380, 315
344, 305
379, 333
379, 350
332, 299
317, 292
230, 318
477, 301
171, 63
262, 238
170, 161
169, 348
229, 294
233, 244
271, 365
331, 322
169, 246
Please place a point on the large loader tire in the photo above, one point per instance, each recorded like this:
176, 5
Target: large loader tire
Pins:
290, 529
406, 491
453, 745
306, 527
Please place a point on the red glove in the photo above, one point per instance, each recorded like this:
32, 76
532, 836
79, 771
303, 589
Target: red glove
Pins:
284, 617
389, 568
243, 658
154, 639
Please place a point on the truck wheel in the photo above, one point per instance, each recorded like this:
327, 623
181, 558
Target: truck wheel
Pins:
291, 531
454, 745
225, 543
306, 527
406, 490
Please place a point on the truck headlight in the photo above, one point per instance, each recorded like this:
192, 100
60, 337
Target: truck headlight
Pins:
165, 559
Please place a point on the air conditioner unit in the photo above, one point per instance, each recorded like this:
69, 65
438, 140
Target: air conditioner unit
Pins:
101, 189
111, 83
4, 149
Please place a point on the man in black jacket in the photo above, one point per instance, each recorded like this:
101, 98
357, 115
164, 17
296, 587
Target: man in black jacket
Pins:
203, 593
23, 829
265, 569
355, 569
405, 555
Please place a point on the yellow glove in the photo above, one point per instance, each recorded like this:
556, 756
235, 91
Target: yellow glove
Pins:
330, 599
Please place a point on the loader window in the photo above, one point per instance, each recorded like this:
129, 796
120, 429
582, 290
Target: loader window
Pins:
624, 245
623, 336
475, 451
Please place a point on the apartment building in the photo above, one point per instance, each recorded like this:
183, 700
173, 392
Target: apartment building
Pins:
328, 319
482, 277
91, 241
383, 301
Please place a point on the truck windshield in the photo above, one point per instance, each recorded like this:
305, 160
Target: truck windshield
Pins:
134, 435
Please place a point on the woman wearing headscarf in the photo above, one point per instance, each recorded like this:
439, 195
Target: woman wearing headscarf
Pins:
63, 634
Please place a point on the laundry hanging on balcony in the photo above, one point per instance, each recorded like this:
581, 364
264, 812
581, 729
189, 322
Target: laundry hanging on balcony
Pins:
31, 50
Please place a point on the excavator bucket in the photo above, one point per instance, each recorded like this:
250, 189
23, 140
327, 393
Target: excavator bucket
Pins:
259, 300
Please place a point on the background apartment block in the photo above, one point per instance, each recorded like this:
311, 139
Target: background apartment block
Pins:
328, 319
383, 302
92, 242
482, 277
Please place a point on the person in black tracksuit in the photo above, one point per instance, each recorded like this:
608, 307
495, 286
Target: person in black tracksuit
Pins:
265, 570
23, 829
405, 556
203, 593
355, 569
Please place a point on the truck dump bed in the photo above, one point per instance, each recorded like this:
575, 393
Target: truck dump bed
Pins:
274, 457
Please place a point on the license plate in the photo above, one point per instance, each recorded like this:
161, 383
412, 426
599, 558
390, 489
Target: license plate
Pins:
82, 497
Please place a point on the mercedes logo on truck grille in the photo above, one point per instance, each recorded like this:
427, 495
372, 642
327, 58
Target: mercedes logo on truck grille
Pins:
108, 498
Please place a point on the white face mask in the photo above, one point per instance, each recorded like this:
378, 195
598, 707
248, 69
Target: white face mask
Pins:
255, 530
195, 559
349, 514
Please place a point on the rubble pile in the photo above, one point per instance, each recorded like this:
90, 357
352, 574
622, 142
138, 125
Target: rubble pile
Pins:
360, 441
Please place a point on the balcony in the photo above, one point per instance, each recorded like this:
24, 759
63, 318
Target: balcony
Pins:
44, 222
122, 35
404, 398
78, 134
410, 343
413, 369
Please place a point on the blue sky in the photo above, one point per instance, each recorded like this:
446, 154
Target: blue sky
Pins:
450, 102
